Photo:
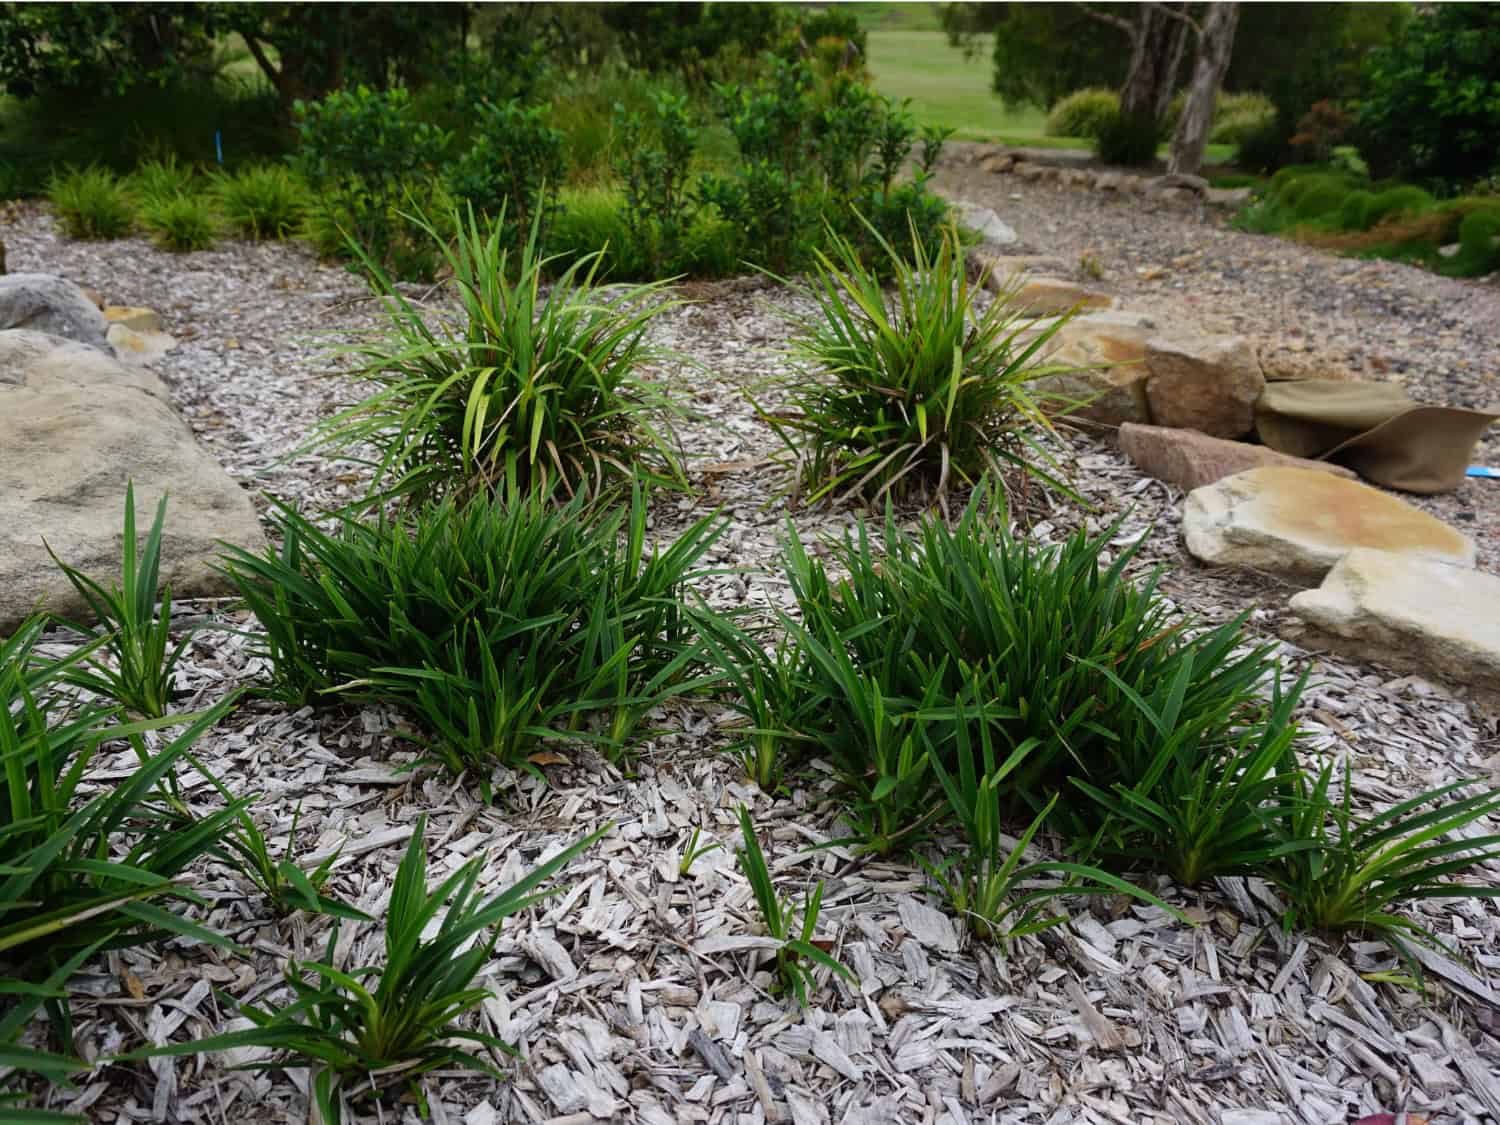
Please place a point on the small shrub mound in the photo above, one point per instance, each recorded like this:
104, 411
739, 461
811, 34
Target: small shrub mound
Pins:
1354, 213
1128, 140
924, 391
262, 202
524, 389
158, 180
92, 203
180, 222
495, 622
1479, 240
1083, 113
1397, 202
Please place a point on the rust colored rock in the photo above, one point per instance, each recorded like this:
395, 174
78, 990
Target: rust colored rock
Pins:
1051, 296
1207, 383
1190, 460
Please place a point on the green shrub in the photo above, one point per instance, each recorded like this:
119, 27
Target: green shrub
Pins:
398, 1020
1318, 197
1083, 113
180, 222
513, 166
1240, 116
1354, 214
659, 208
1397, 202
1263, 148
494, 623
592, 221
136, 617
917, 393
1479, 241
524, 389
263, 202
1128, 141
91, 203
162, 179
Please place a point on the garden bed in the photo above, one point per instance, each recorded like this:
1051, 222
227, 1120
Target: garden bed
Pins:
629, 993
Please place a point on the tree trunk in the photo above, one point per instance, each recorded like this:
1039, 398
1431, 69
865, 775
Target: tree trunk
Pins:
1215, 42
1155, 48
1174, 66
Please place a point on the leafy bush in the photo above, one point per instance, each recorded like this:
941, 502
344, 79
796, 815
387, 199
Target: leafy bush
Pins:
513, 165
1318, 131
796, 954
1318, 197
1083, 113
1129, 141
363, 153
1354, 214
525, 389
91, 203
180, 222
496, 623
1263, 148
262, 202
136, 633
924, 391
1479, 240
1397, 202
364, 1029
1239, 116
658, 207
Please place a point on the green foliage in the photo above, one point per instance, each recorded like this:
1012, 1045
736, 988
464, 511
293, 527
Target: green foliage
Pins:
162, 179
1431, 108
919, 392
180, 222
1128, 140
1239, 116
365, 1029
1397, 202
1083, 113
496, 623
363, 153
513, 165
91, 203
591, 221
263, 201
973, 628
286, 886
1354, 213
1479, 240
1319, 196
658, 208
525, 388
1345, 872
797, 956
1263, 148
136, 633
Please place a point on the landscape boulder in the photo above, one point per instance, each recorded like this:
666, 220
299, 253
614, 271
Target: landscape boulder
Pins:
1000, 272
75, 426
1106, 350
990, 227
140, 320
1206, 383
1191, 460
1051, 296
1299, 522
1411, 615
44, 303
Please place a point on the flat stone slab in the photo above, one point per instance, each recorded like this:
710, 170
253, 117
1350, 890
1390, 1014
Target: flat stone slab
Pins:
1411, 614
1052, 296
1300, 522
1191, 460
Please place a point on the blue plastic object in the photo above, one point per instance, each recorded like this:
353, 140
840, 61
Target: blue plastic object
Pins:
219, 145
1483, 471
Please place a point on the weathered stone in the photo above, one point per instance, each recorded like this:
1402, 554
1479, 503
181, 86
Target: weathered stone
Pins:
1190, 460
1109, 181
44, 303
1107, 348
1228, 197
1051, 296
1177, 181
994, 230
1207, 383
1300, 522
998, 163
1411, 614
96, 297
999, 271
135, 346
75, 426
142, 320
1030, 170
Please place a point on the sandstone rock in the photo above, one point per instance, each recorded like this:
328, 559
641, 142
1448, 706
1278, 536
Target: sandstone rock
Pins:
998, 163
44, 303
1109, 181
1029, 170
1299, 522
1228, 197
998, 271
1051, 296
1107, 347
1177, 180
1207, 383
96, 297
142, 320
1190, 460
994, 230
75, 426
139, 347
1410, 614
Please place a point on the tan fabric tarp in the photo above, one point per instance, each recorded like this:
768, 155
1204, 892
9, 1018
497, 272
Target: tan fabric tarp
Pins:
1374, 429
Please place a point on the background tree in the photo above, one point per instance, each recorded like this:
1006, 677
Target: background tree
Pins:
1215, 41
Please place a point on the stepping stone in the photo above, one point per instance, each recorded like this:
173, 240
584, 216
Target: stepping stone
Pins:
1299, 522
1411, 614
1191, 460
1051, 296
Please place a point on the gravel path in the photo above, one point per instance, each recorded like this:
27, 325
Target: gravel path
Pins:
632, 996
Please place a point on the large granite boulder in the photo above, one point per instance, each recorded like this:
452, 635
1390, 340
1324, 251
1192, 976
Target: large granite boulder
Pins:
1410, 614
1299, 522
44, 303
75, 426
